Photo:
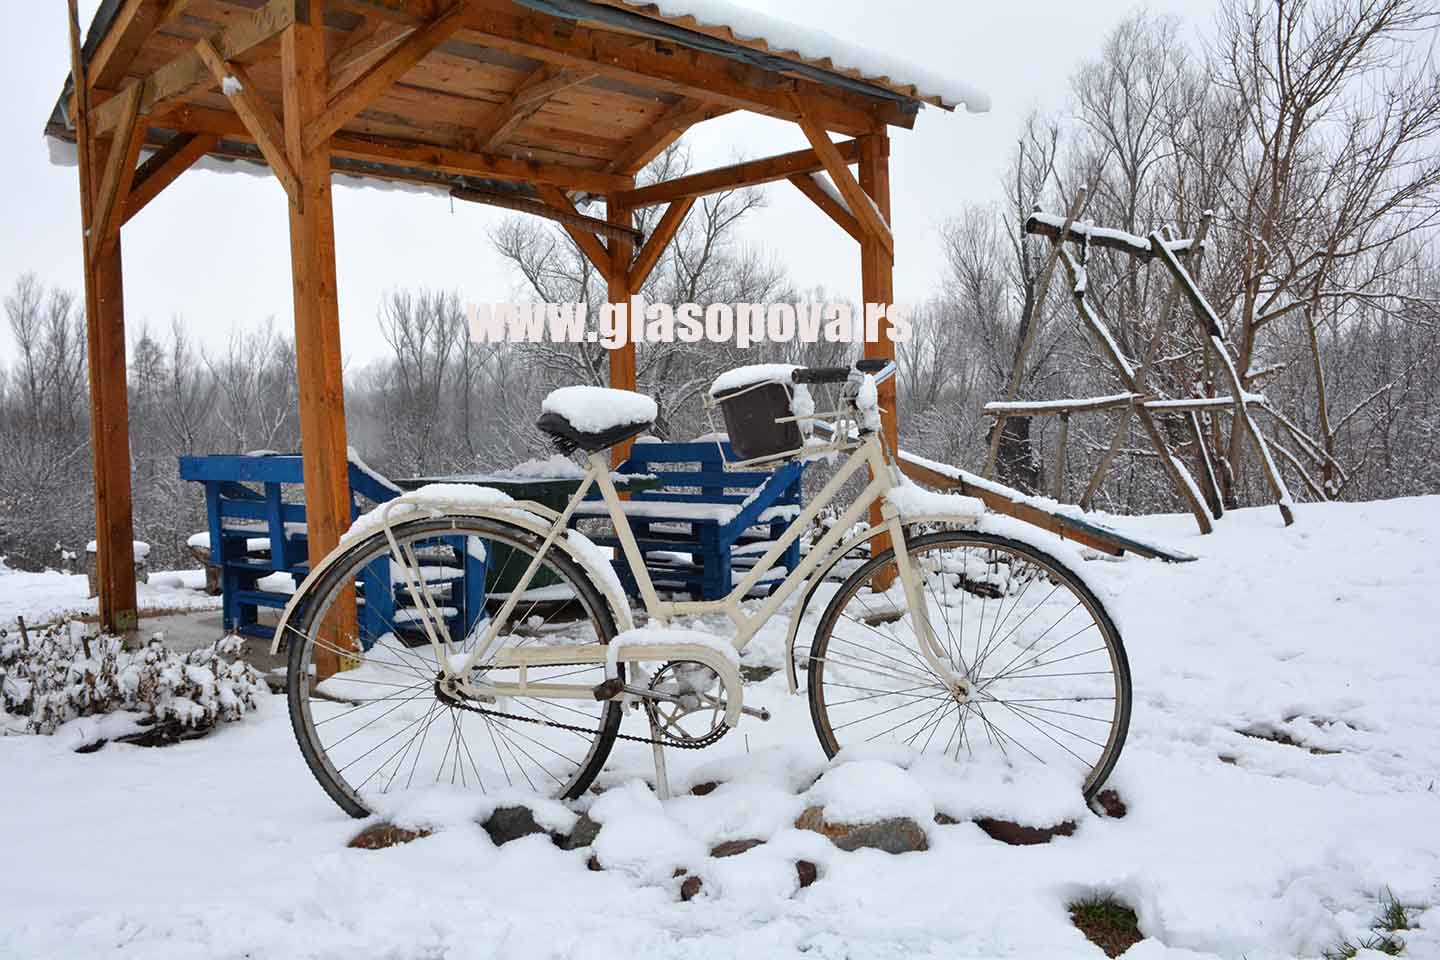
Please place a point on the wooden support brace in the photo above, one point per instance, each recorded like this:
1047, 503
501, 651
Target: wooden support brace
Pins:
119, 173
664, 232
833, 208
255, 113
374, 81
164, 167
589, 244
861, 206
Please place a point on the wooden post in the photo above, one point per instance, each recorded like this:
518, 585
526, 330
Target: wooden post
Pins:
877, 285
317, 310
1060, 457
622, 360
109, 400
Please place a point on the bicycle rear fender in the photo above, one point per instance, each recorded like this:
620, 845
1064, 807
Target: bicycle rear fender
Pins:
534, 518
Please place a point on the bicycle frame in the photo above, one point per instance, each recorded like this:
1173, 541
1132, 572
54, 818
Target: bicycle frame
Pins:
869, 453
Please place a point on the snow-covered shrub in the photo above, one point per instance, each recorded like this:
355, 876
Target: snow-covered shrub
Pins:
66, 672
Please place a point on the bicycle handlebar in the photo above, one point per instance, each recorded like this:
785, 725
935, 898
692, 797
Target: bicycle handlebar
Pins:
882, 370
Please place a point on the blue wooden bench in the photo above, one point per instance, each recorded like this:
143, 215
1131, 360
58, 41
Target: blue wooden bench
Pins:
255, 532
706, 523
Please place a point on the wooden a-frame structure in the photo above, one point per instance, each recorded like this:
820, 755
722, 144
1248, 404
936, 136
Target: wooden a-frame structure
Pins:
536, 105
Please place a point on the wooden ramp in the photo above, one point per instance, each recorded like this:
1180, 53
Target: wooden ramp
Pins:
1012, 502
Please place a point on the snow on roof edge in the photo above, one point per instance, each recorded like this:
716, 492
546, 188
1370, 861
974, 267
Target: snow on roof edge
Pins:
785, 39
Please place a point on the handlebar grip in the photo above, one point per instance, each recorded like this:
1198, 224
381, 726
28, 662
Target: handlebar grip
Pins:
822, 375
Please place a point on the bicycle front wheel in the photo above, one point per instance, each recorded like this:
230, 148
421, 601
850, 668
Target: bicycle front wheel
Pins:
1049, 680
365, 703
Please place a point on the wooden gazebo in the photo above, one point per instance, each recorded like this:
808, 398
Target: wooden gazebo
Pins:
538, 105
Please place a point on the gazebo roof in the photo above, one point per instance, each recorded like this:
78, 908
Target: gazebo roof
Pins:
501, 94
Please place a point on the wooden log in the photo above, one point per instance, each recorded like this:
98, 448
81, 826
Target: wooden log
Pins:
751, 173
1060, 456
119, 173
539, 208
317, 322
1179, 477
1209, 483
1210, 323
500, 122
877, 277
1011, 503
1122, 429
1022, 350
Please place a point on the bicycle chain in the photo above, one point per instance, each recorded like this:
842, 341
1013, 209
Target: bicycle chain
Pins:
710, 738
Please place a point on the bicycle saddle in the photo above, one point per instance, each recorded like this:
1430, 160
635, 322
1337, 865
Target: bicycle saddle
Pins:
594, 418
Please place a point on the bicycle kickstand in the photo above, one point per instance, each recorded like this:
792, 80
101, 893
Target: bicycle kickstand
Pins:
662, 779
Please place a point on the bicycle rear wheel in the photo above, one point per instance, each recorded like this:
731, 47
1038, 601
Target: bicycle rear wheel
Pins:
378, 731
1050, 679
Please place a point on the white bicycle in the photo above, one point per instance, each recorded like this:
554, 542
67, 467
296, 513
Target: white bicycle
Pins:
941, 638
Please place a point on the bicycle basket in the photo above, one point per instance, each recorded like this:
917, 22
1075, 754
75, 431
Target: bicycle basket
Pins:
751, 414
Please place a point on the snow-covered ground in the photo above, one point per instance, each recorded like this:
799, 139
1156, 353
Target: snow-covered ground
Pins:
1326, 632
51, 596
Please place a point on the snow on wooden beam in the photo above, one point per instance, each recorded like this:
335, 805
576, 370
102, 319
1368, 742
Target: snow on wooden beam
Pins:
1057, 227
539, 208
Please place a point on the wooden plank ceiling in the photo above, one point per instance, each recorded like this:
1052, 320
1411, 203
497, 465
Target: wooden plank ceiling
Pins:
508, 97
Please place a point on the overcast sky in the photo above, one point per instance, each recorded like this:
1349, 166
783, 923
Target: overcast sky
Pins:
213, 250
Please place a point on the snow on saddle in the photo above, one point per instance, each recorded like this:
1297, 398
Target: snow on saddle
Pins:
594, 418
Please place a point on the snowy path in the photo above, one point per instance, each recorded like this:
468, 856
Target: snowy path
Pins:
1326, 632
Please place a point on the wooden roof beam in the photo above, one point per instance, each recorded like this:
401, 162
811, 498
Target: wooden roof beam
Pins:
132, 26
188, 74
540, 208
751, 173
374, 81
670, 126
119, 173
410, 153
655, 64
532, 94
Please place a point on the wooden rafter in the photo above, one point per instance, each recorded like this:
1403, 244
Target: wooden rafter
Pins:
265, 128
119, 173
667, 128
534, 92
132, 25
831, 205
164, 167
366, 44
656, 65
375, 80
855, 196
409, 153
188, 74
589, 244
539, 208
654, 248
751, 173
